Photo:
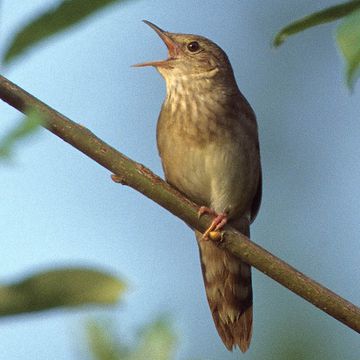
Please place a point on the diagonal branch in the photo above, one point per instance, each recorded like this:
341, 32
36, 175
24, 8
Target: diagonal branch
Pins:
143, 180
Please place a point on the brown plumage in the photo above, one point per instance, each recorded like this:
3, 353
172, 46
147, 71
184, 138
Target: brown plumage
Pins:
208, 143
229, 293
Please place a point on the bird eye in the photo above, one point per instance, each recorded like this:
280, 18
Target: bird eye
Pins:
193, 46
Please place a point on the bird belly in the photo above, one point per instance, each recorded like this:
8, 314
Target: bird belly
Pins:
217, 175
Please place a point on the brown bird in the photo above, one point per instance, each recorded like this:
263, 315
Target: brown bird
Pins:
208, 143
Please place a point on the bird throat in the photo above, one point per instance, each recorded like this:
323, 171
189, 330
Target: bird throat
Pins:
193, 94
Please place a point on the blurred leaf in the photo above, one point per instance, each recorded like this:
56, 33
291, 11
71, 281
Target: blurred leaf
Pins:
28, 126
348, 39
317, 18
52, 21
156, 341
60, 287
102, 342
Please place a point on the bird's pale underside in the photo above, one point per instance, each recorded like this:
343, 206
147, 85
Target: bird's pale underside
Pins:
208, 144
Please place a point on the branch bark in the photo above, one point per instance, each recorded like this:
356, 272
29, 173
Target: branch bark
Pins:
143, 180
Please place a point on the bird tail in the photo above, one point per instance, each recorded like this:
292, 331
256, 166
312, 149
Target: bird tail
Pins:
229, 292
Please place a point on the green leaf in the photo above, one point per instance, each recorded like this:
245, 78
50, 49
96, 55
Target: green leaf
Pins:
28, 126
330, 14
52, 21
348, 39
102, 341
58, 288
157, 342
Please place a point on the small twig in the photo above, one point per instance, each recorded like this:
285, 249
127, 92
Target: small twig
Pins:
143, 180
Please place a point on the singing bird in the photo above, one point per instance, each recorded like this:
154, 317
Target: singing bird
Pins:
207, 139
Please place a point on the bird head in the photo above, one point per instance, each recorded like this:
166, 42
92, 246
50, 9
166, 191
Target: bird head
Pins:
189, 55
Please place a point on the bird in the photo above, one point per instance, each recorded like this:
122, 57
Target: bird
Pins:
207, 138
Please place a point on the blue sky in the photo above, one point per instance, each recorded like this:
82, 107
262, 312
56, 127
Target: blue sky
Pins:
60, 208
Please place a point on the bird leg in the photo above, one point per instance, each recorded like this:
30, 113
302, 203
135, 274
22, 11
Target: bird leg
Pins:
217, 224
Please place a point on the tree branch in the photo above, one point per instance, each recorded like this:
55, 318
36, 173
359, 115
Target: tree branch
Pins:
143, 180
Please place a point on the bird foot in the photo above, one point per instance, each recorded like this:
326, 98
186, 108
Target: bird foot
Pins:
205, 210
217, 224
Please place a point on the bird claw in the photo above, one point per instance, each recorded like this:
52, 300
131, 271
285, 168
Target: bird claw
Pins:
205, 210
217, 224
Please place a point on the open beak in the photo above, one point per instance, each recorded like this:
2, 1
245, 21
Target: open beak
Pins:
173, 47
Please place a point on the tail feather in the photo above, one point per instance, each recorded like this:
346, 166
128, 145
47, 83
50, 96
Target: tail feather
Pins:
229, 293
